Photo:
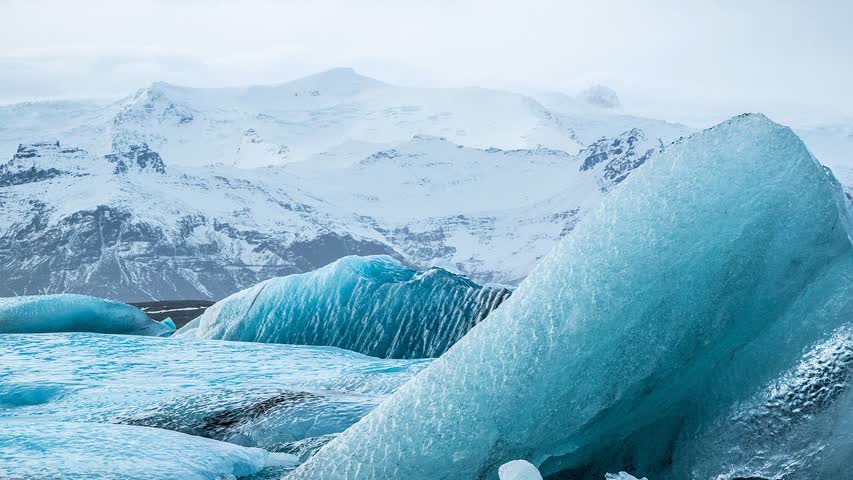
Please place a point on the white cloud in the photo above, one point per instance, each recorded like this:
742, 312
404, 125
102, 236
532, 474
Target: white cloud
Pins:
714, 57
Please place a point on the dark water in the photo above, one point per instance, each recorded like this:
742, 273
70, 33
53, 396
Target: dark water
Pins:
181, 311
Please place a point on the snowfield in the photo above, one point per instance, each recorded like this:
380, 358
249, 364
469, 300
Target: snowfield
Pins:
176, 192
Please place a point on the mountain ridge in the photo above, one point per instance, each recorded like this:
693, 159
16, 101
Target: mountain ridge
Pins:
153, 199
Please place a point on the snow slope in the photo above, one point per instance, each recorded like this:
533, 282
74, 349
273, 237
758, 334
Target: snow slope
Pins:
133, 226
272, 125
178, 192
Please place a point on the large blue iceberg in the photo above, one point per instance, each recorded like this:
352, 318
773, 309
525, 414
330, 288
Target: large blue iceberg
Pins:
76, 313
283, 398
373, 305
704, 308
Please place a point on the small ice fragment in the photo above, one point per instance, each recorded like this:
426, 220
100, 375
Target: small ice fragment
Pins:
622, 476
522, 470
168, 322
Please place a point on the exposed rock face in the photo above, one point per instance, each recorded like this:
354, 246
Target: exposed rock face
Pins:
126, 226
42, 161
137, 158
619, 156
106, 252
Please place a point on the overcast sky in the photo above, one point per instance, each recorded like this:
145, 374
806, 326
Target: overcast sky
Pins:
686, 60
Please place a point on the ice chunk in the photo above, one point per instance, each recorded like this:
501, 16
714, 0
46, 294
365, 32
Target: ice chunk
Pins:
76, 313
622, 476
519, 470
272, 396
60, 450
168, 322
372, 305
696, 280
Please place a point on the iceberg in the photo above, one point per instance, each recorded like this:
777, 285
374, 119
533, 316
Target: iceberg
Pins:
282, 398
373, 305
59, 450
704, 277
76, 313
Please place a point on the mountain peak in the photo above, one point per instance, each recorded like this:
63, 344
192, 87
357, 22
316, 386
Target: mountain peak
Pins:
336, 81
600, 96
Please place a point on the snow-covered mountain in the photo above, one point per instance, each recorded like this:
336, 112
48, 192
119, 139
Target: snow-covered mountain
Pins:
177, 192
334, 111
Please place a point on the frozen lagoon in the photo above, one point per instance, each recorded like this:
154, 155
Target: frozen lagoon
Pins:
60, 392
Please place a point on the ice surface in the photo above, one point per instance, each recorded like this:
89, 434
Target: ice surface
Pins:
519, 470
278, 397
169, 323
92, 451
701, 278
798, 426
76, 313
372, 305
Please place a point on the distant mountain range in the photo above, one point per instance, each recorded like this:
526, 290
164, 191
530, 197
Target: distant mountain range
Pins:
177, 192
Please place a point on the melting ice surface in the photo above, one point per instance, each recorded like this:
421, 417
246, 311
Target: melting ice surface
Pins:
76, 313
283, 398
519, 470
373, 305
57, 450
687, 299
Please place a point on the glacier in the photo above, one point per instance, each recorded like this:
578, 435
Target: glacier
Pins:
76, 313
372, 305
281, 398
697, 288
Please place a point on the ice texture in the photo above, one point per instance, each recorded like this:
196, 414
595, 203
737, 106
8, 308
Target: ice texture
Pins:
76, 313
373, 305
707, 274
798, 426
279, 397
93, 451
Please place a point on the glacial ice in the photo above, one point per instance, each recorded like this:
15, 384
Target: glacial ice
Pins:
169, 323
622, 476
76, 313
697, 283
519, 470
373, 305
96, 451
798, 426
281, 398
